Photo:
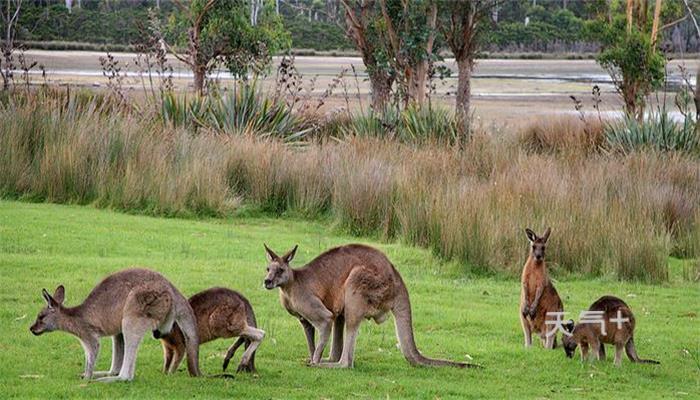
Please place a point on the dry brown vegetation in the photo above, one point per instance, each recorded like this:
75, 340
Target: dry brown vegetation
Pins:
611, 214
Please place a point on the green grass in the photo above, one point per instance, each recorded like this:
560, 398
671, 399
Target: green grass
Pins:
456, 317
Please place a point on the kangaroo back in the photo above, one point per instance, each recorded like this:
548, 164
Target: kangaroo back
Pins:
404, 332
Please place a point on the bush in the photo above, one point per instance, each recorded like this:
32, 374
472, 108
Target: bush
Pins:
411, 125
563, 135
243, 111
657, 131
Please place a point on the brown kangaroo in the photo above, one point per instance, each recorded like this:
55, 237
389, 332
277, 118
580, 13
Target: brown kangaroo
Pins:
538, 296
341, 287
619, 330
220, 313
125, 306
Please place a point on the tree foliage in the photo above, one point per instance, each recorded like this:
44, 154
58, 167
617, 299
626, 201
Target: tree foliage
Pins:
630, 34
226, 34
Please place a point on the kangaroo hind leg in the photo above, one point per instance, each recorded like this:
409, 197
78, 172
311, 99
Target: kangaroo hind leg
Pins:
144, 310
254, 337
117, 357
527, 332
337, 344
133, 329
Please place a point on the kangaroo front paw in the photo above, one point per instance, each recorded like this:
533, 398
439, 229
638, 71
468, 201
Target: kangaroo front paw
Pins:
532, 312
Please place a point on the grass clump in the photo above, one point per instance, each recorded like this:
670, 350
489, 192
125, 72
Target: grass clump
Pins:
658, 132
617, 214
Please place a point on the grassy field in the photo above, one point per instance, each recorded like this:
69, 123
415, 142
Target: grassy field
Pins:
463, 318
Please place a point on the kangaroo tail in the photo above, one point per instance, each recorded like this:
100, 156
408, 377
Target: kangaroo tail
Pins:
632, 354
404, 332
188, 325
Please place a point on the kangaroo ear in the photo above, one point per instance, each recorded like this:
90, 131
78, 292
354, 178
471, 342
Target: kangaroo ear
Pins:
271, 256
49, 300
59, 295
546, 234
569, 325
287, 258
530, 234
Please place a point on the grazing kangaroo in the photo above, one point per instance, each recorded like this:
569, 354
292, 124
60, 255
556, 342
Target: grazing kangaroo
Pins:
341, 287
538, 296
220, 313
125, 305
619, 330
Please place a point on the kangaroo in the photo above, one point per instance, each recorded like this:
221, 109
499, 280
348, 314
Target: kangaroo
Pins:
337, 290
125, 306
220, 313
538, 296
619, 330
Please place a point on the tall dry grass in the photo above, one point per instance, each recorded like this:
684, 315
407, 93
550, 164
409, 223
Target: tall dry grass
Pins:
611, 214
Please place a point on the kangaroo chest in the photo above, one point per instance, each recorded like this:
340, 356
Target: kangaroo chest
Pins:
533, 279
289, 305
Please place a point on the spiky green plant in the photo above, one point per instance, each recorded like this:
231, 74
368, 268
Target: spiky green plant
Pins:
247, 111
658, 131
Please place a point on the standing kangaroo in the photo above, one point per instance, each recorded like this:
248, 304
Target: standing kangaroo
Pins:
220, 313
125, 305
619, 330
538, 296
341, 287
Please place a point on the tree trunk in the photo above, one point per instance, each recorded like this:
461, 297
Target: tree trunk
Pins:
464, 93
380, 82
199, 76
697, 103
418, 83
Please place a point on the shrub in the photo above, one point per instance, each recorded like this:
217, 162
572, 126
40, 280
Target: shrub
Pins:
564, 134
657, 131
243, 111
411, 125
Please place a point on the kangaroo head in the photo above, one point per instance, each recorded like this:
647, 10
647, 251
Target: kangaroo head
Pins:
538, 243
278, 270
568, 340
47, 319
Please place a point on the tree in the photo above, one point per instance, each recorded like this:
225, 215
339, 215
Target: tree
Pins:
10, 14
362, 19
630, 52
410, 29
697, 75
235, 33
462, 33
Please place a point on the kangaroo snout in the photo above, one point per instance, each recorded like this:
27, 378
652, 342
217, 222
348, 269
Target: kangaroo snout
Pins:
35, 331
268, 284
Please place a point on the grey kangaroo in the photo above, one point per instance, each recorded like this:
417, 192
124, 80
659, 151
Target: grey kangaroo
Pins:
125, 305
619, 330
337, 290
220, 313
